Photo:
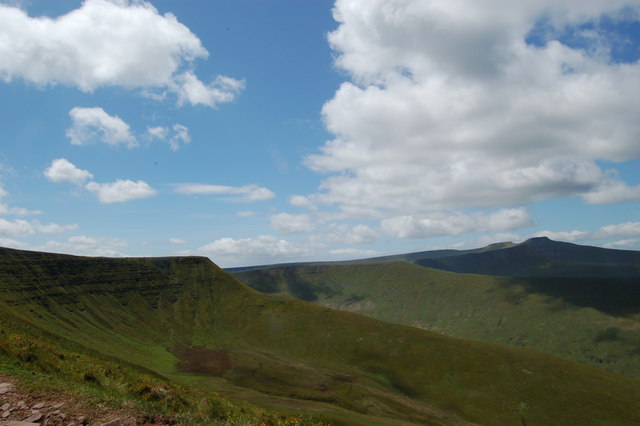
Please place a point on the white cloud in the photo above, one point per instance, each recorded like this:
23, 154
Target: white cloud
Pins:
177, 241
17, 211
624, 231
8, 242
291, 223
245, 213
344, 234
245, 193
120, 190
83, 245
620, 230
361, 234
53, 228
302, 201
62, 170
14, 211
15, 228
613, 191
449, 108
190, 89
456, 223
265, 249
22, 228
108, 43
180, 135
157, 132
631, 244
174, 136
91, 125
574, 235
348, 252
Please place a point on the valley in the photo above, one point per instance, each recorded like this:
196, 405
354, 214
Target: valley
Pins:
179, 331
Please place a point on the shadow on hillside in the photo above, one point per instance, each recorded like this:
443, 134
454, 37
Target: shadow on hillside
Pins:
613, 296
286, 280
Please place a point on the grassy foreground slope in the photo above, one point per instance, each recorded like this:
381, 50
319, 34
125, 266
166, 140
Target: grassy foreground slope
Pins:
592, 320
189, 322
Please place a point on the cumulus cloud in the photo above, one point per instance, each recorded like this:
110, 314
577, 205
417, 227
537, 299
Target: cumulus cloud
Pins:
265, 249
191, 90
8, 242
90, 125
17, 211
340, 233
613, 191
120, 190
453, 105
630, 244
109, 43
361, 234
349, 252
174, 135
302, 201
245, 193
15, 228
456, 223
177, 241
626, 231
62, 170
22, 228
291, 223
83, 245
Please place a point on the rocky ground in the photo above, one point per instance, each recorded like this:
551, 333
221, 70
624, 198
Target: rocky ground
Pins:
21, 408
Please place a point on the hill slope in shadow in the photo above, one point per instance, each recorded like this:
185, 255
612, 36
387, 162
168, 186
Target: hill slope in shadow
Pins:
540, 257
189, 321
589, 319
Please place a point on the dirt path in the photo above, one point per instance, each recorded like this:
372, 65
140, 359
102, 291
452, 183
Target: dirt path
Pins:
21, 408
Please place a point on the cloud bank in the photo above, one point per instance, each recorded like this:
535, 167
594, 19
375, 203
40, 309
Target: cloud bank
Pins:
454, 106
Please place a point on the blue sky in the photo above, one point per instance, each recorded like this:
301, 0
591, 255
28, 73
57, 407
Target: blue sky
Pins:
257, 132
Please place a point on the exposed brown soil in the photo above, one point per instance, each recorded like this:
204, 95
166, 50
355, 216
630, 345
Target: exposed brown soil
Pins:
199, 360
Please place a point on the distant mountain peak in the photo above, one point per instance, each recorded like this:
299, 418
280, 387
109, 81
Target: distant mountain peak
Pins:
537, 240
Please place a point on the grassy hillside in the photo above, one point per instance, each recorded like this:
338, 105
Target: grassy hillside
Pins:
590, 320
186, 322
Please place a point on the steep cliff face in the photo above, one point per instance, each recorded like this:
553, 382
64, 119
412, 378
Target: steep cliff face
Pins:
188, 320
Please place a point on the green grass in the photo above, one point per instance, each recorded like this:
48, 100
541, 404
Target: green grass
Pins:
185, 324
574, 318
100, 381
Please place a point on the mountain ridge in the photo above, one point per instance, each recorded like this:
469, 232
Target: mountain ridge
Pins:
465, 261
542, 257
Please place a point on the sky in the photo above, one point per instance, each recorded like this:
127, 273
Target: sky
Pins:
258, 132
